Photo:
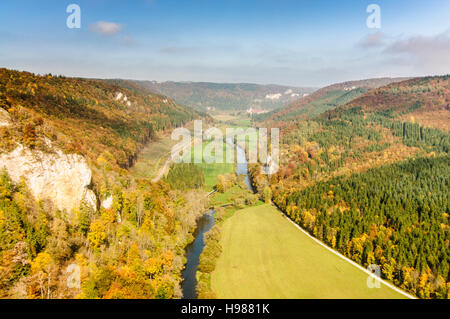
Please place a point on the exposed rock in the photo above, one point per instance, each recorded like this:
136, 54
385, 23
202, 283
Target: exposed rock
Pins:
5, 119
119, 96
63, 178
107, 203
275, 96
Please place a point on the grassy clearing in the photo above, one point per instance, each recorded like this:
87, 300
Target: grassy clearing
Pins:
220, 199
244, 122
228, 197
223, 117
265, 256
153, 157
213, 170
233, 119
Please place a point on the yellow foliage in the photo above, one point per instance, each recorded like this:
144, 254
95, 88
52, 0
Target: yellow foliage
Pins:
97, 234
42, 263
108, 216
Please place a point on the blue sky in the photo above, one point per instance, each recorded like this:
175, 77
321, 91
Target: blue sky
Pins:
304, 43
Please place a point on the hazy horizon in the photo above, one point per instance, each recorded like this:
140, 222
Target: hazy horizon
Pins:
292, 43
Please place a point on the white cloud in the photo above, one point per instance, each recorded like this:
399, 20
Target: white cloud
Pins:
105, 28
430, 53
373, 40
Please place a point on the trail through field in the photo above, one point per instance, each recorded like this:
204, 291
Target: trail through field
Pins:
163, 170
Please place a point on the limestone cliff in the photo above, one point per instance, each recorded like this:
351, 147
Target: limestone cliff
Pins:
62, 178
5, 119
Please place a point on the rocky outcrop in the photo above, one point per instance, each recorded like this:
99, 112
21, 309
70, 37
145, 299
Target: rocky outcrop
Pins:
107, 203
122, 98
5, 119
62, 178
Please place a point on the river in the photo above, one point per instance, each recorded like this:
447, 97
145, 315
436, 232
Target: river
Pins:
204, 224
193, 252
242, 165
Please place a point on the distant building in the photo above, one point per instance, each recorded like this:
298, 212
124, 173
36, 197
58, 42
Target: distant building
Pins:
251, 111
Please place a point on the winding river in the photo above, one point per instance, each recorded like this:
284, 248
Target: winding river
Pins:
242, 165
193, 252
204, 224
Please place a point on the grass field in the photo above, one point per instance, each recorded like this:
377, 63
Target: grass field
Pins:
153, 157
233, 119
213, 170
265, 256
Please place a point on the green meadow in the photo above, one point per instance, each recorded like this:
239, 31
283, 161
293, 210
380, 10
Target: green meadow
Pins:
266, 256
213, 170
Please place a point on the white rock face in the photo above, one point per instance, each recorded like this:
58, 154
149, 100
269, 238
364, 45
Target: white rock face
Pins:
5, 119
122, 98
119, 96
275, 96
107, 203
63, 178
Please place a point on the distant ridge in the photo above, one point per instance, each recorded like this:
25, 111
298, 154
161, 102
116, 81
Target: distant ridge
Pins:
208, 96
325, 99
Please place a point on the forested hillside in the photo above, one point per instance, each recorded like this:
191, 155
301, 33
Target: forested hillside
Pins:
132, 244
371, 179
322, 100
207, 96
85, 116
422, 100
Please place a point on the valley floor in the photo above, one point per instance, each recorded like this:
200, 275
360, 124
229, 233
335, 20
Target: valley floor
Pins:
153, 157
266, 256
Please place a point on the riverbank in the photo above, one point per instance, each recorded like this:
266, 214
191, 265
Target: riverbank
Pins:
235, 193
193, 251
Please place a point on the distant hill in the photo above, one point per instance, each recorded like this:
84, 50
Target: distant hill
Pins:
208, 96
324, 99
423, 100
